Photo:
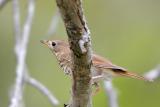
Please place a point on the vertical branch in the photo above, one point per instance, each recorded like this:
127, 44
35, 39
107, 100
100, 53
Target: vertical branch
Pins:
20, 50
21, 43
54, 24
18, 87
79, 39
28, 24
17, 23
111, 93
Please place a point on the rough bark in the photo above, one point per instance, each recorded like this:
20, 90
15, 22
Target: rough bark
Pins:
80, 45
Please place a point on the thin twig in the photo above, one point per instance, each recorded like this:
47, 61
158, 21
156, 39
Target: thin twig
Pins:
21, 43
3, 3
28, 24
111, 93
19, 84
33, 82
17, 23
153, 74
21, 49
54, 24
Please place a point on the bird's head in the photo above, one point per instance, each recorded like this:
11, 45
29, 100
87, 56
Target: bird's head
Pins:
56, 46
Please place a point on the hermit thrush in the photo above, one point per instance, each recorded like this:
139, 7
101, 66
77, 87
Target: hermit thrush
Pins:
102, 68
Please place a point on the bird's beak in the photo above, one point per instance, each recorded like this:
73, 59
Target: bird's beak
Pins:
44, 42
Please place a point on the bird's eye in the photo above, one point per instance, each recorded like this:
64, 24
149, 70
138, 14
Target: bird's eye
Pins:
53, 44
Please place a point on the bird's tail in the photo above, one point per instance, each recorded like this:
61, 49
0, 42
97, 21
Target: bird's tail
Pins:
131, 75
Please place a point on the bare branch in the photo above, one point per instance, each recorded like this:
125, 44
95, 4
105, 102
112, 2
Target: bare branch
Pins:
79, 39
111, 93
19, 84
21, 43
20, 50
33, 82
28, 23
153, 74
54, 24
3, 3
17, 23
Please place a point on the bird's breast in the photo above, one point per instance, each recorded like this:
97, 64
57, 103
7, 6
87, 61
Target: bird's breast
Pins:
65, 64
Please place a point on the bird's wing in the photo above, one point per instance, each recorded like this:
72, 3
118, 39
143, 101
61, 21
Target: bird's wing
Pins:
102, 63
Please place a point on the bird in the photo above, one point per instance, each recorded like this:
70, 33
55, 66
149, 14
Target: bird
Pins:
103, 69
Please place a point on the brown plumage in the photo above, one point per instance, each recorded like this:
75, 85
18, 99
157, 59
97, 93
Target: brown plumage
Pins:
102, 68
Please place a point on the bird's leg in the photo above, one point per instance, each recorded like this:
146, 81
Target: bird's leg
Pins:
97, 88
97, 78
95, 81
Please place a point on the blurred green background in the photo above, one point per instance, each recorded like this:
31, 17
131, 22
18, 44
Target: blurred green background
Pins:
125, 31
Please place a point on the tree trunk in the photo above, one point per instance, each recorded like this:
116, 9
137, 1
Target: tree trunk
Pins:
80, 45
